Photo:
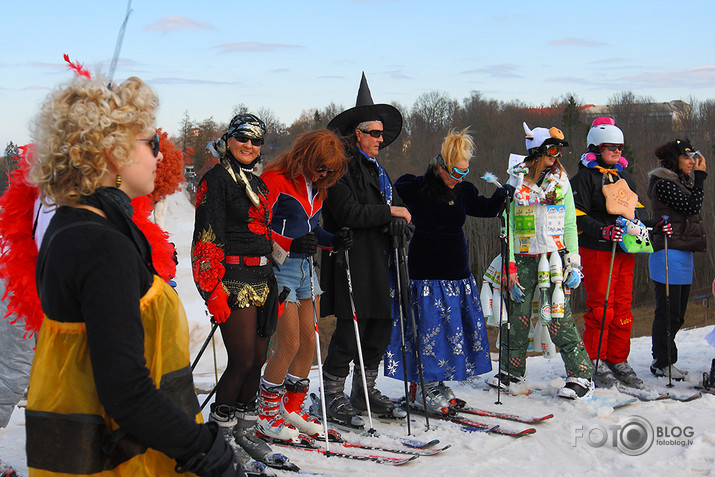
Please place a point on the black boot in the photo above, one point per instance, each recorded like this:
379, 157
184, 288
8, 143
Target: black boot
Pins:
337, 406
379, 403
225, 416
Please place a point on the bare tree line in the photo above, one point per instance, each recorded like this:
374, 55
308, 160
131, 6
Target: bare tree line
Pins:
497, 129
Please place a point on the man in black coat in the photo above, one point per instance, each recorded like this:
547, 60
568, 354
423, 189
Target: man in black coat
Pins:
364, 201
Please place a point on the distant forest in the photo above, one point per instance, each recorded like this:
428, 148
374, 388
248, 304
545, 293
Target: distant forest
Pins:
497, 129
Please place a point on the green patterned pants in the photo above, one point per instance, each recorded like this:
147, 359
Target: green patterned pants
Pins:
563, 332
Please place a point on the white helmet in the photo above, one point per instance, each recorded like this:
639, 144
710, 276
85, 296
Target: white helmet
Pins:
604, 131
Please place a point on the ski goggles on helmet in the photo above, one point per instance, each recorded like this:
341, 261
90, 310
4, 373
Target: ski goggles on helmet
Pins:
456, 174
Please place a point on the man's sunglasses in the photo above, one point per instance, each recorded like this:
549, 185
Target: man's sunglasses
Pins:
323, 169
456, 174
256, 141
376, 133
153, 144
612, 147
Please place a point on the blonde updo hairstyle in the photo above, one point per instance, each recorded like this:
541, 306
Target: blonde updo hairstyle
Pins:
78, 125
456, 146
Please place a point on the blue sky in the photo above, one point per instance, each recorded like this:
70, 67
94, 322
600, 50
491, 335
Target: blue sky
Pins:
288, 56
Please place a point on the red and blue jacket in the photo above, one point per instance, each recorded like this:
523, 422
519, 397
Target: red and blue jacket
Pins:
294, 214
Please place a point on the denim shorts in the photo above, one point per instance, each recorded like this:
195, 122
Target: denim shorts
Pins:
295, 274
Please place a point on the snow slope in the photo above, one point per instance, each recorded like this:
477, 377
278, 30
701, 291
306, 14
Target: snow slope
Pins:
555, 449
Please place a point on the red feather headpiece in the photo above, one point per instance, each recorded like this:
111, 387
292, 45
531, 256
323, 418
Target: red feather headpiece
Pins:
77, 67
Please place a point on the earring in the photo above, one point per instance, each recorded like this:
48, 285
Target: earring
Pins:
118, 181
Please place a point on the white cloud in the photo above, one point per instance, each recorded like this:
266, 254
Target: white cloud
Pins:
504, 70
254, 47
572, 41
177, 22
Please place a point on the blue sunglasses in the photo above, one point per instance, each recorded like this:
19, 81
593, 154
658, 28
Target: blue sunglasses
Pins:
456, 174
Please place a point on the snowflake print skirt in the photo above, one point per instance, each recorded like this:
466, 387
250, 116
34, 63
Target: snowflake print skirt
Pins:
451, 329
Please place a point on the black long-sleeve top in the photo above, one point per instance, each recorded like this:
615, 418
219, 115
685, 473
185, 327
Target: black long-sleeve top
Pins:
95, 274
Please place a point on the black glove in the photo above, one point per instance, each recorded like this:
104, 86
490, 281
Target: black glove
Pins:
307, 244
397, 227
510, 189
343, 239
401, 230
218, 461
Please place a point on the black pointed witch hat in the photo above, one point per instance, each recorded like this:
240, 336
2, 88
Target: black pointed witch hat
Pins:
365, 110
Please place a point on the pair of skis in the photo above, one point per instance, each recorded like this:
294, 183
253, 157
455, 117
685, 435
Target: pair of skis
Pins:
410, 453
472, 425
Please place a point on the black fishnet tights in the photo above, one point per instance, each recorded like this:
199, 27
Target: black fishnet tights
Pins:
246, 355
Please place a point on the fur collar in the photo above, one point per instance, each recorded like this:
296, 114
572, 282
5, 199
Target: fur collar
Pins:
669, 175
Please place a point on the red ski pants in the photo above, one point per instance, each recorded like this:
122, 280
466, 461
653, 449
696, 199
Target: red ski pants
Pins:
616, 341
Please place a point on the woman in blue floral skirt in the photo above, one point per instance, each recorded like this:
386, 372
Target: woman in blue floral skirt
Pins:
445, 296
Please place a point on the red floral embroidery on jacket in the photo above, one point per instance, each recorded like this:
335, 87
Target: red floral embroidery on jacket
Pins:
200, 192
258, 219
206, 262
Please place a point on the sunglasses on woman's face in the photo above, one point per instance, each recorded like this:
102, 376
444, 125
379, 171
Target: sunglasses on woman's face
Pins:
323, 169
612, 147
256, 141
153, 144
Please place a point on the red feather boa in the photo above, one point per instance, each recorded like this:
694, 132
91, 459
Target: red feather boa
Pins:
19, 252
18, 256
162, 252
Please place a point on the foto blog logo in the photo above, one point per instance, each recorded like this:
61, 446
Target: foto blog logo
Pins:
632, 435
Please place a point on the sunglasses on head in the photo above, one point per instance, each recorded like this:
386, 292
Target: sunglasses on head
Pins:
153, 144
692, 154
323, 169
242, 138
376, 133
612, 147
553, 150
456, 174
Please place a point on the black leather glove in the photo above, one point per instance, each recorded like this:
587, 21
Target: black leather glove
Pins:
218, 461
307, 244
401, 230
397, 227
343, 239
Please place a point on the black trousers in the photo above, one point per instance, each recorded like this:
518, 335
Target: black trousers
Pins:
678, 297
374, 337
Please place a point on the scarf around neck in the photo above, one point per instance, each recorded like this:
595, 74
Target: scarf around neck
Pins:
117, 206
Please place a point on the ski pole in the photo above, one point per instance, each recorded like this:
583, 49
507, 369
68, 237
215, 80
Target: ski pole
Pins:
359, 344
214, 327
320, 359
281, 298
402, 336
406, 304
504, 300
667, 307
605, 307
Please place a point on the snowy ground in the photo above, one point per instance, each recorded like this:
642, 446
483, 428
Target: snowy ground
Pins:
557, 447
